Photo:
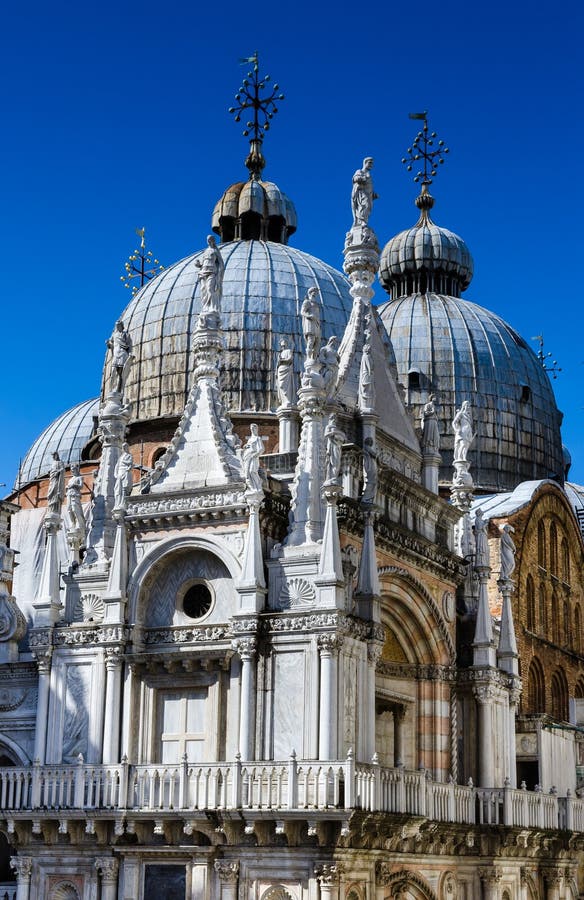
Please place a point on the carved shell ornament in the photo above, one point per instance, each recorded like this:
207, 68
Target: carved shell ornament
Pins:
296, 592
89, 608
64, 891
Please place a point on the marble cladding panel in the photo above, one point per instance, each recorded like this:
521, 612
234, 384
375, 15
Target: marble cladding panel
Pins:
76, 712
289, 703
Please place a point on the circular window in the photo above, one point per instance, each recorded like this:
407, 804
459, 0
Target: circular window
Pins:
197, 601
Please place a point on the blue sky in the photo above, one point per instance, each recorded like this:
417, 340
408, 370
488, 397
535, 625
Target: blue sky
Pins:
115, 116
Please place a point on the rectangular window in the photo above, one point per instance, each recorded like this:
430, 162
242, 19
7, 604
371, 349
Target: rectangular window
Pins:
181, 728
169, 882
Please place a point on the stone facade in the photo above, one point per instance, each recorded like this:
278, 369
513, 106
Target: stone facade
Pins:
271, 666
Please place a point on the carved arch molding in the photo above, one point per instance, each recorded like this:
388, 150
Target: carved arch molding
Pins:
403, 885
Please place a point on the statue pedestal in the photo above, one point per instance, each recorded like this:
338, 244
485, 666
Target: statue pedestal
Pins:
288, 419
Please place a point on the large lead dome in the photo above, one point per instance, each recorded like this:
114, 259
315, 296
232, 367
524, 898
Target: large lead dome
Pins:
459, 351
263, 288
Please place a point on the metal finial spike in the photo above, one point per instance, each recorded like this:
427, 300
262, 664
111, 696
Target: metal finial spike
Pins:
259, 94
552, 369
423, 149
140, 264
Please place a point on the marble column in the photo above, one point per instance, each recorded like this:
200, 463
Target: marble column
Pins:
42, 711
22, 865
553, 881
399, 714
490, 879
113, 689
228, 874
328, 645
246, 648
485, 697
373, 656
329, 878
108, 867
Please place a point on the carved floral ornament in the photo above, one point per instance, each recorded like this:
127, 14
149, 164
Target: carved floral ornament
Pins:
227, 872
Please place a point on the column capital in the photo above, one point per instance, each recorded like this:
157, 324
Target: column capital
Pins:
328, 876
329, 644
113, 658
553, 877
374, 651
485, 693
228, 872
246, 647
22, 865
490, 874
108, 867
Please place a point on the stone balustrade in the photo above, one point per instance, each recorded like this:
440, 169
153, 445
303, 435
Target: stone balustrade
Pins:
295, 785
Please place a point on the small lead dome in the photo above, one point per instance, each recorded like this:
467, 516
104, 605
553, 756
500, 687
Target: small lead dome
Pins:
254, 209
425, 258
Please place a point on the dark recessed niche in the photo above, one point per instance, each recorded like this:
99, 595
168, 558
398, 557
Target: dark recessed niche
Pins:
197, 601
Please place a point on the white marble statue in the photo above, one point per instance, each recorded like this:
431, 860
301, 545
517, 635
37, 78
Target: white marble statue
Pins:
121, 346
335, 439
56, 489
285, 379
482, 555
366, 383
369, 472
329, 362
74, 505
252, 450
310, 312
123, 478
362, 194
212, 269
507, 552
430, 429
463, 433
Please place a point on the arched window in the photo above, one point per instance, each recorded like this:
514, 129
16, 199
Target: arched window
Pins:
566, 623
158, 454
543, 617
556, 612
553, 549
530, 603
559, 690
577, 640
565, 561
579, 689
541, 548
536, 687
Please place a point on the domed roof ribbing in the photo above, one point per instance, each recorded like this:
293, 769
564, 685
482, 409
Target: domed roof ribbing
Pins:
67, 435
263, 288
425, 258
460, 351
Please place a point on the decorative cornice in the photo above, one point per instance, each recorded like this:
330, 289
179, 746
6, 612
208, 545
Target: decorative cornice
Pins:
229, 501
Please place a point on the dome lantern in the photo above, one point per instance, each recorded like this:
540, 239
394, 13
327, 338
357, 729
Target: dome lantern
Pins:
425, 258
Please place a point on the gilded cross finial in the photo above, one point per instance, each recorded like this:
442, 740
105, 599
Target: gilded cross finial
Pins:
258, 95
424, 148
140, 265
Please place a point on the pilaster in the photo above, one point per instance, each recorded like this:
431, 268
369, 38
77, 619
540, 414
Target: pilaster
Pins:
228, 875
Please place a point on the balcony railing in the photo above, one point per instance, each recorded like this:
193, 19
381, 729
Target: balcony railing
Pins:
295, 785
